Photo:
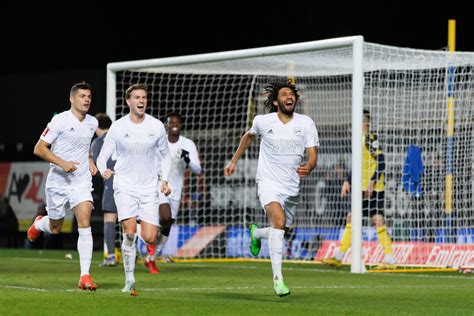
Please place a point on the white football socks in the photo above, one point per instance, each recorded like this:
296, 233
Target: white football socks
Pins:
275, 243
84, 247
160, 244
43, 225
129, 254
262, 233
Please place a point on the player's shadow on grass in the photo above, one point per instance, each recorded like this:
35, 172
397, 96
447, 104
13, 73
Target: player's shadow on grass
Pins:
264, 296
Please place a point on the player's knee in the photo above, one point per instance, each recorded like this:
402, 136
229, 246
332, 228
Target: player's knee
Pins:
279, 223
149, 239
128, 239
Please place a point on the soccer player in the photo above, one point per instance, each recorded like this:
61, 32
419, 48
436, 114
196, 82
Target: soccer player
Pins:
69, 182
373, 201
139, 141
184, 155
108, 203
285, 136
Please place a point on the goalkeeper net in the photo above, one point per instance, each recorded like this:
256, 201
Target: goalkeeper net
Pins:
418, 99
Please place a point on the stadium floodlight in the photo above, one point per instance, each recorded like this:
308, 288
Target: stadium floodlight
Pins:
406, 92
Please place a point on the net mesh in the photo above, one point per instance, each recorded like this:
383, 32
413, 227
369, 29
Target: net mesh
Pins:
406, 92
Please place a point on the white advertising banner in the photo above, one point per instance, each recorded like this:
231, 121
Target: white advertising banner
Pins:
23, 184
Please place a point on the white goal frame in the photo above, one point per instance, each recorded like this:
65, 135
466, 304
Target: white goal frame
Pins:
357, 43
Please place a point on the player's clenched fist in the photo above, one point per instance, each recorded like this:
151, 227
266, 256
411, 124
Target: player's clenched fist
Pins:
107, 174
229, 169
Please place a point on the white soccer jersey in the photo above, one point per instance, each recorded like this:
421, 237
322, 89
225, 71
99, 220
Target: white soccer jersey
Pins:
135, 146
178, 165
282, 149
70, 140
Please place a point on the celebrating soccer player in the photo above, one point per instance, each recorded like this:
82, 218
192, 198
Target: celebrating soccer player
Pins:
69, 182
183, 154
285, 136
139, 141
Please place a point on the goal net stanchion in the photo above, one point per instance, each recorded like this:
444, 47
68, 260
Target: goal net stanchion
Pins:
218, 95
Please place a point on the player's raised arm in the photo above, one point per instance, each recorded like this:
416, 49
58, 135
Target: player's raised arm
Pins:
245, 143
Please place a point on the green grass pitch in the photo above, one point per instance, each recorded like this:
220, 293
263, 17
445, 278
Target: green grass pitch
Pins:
44, 283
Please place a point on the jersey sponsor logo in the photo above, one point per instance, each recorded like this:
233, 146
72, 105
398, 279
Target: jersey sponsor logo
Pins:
126, 135
270, 132
46, 130
285, 146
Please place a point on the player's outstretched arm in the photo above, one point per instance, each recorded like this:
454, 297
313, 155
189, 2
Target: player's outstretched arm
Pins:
245, 143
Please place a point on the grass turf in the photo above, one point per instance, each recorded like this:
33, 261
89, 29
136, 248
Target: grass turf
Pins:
33, 282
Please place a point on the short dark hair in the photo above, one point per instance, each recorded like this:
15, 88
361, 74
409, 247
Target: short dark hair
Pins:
134, 87
80, 85
273, 88
175, 114
104, 120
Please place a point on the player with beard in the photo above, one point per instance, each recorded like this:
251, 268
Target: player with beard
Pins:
285, 137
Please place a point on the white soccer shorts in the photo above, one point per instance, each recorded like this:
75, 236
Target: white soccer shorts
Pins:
143, 207
288, 203
174, 204
58, 200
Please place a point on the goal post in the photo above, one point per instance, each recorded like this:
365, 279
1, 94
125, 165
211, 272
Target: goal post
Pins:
218, 94
356, 141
